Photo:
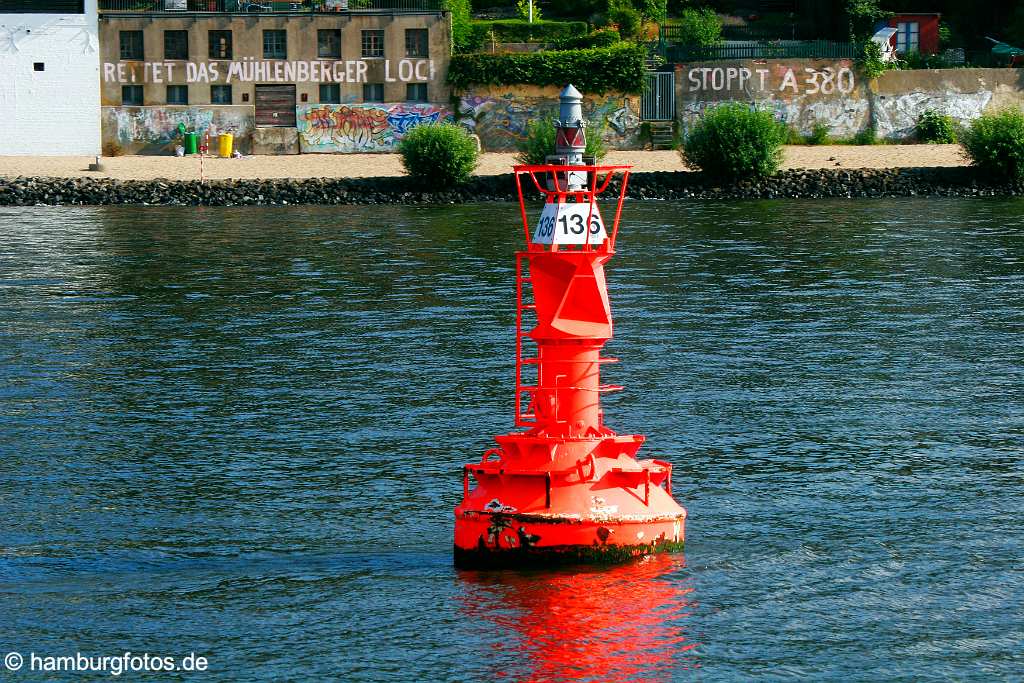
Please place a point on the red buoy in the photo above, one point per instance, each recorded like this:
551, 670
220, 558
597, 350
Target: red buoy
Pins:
567, 488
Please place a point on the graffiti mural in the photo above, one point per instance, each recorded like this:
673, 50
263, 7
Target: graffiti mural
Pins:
328, 128
501, 119
154, 130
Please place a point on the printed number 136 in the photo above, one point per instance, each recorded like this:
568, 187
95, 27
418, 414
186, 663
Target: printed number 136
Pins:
574, 224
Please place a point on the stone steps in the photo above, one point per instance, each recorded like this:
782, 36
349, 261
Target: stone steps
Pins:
662, 136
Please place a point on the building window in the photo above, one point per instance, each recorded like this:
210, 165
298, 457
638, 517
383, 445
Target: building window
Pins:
416, 92
373, 92
220, 45
328, 43
131, 45
175, 44
39, 66
330, 93
907, 37
220, 94
131, 95
416, 42
275, 44
373, 43
177, 94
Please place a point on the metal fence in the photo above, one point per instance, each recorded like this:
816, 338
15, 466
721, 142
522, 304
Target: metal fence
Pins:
266, 6
808, 49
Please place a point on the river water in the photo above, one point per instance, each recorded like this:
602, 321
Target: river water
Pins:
238, 432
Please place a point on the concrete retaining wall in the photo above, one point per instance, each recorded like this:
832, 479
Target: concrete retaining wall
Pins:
331, 128
154, 130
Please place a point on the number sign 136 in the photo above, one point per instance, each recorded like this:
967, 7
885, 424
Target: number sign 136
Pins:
568, 224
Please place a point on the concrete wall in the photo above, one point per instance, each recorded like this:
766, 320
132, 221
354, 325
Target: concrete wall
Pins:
154, 130
803, 92
500, 115
899, 97
303, 66
362, 127
55, 111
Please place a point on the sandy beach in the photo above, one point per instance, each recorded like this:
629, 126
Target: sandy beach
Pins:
367, 165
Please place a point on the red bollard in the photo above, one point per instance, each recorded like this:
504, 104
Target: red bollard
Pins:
567, 488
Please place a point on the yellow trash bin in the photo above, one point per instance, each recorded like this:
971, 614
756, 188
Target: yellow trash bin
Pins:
225, 144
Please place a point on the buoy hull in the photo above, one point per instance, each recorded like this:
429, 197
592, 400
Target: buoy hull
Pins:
486, 540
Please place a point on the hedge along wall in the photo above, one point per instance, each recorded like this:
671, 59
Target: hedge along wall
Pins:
805, 92
520, 31
619, 68
499, 114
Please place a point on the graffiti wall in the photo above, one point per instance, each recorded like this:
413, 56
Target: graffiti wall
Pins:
327, 128
800, 92
803, 93
154, 130
500, 116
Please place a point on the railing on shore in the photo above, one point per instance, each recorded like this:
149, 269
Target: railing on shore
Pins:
807, 49
265, 6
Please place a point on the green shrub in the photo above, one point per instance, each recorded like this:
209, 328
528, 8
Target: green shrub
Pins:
521, 31
794, 137
819, 134
995, 143
733, 141
868, 136
935, 127
540, 142
596, 70
699, 27
462, 29
627, 20
652, 10
438, 156
605, 37
528, 10
871, 60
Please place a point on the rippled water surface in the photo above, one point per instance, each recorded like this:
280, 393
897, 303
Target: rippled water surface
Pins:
239, 432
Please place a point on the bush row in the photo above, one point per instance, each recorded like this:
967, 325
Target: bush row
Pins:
594, 70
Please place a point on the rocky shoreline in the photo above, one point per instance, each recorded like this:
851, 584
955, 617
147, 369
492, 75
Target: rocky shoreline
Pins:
797, 184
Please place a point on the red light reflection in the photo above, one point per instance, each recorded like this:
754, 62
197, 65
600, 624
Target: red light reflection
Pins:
621, 623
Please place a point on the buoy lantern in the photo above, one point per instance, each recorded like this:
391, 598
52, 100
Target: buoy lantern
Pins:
567, 488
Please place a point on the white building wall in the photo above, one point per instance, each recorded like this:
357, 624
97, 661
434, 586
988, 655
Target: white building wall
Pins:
55, 112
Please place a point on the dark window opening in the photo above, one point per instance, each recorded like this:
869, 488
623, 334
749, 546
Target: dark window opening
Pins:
38, 66
275, 44
416, 92
220, 94
416, 42
220, 45
177, 94
42, 7
373, 92
328, 43
330, 93
131, 95
132, 45
175, 44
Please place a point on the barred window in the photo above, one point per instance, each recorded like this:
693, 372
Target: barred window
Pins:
373, 43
